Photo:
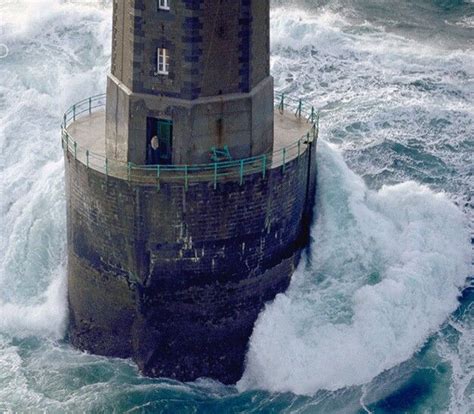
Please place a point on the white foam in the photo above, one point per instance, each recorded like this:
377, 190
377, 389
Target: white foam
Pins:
295, 28
386, 270
58, 54
44, 318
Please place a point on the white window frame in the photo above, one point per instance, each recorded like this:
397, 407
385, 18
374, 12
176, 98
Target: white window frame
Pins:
162, 61
164, 4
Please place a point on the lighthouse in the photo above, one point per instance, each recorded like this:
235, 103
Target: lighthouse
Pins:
190, 189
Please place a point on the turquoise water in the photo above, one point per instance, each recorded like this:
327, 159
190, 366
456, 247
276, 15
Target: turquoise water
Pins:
379, 316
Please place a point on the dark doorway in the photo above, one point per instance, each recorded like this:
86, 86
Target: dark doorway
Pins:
159, 141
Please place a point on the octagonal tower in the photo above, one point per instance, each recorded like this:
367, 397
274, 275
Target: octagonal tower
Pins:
197, 69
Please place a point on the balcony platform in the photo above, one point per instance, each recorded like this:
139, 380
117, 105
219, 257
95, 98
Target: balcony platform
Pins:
89, 131
84, 137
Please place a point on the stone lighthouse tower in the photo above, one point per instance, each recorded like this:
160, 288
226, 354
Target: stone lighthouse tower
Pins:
189, 195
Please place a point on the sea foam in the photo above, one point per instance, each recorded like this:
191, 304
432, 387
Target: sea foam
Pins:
58, 54
384, 271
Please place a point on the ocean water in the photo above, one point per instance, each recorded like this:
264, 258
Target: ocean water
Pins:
379, 316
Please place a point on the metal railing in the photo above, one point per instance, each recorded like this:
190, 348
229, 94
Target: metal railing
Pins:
214, 172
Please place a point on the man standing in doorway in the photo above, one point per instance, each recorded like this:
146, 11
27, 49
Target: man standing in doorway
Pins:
155, 153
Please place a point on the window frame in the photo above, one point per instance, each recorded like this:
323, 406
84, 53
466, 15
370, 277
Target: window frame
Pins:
164, 5
162, 61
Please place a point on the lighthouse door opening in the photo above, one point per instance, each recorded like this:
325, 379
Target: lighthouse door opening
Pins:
159, 141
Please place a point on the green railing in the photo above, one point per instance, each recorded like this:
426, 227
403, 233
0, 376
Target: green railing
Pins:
214, 172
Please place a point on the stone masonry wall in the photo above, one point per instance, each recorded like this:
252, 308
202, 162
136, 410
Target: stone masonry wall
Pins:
216, 46
175, 279
243, 122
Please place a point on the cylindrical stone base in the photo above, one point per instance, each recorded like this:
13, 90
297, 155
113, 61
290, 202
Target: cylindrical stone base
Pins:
175, 278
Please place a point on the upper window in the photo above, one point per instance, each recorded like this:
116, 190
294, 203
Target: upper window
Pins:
164, 4
163, 61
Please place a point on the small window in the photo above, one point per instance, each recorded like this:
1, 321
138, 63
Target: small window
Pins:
163, 61
164, 4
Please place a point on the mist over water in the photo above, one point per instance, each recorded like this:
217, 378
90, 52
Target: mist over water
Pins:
379, 315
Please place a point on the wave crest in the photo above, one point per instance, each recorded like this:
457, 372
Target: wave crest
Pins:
384, 272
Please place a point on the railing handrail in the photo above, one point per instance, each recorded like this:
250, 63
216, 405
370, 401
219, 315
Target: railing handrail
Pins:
228, 168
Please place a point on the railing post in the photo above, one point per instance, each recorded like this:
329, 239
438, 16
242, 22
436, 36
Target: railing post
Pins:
106, 167
215, 175
313, 114
299, 109
186, 183
241, 172
74, 113
316, 129
64, 121
264, 166
67, 141
281, 107
284, 160
90, 106
75, 150
87, 159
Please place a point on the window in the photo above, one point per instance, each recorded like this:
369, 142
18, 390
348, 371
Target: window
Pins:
164, 4
163, 61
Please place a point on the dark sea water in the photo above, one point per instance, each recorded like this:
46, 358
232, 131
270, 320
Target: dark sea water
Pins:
380, 314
